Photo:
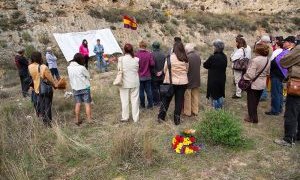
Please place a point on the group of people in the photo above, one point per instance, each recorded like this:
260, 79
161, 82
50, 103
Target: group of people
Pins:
145, 72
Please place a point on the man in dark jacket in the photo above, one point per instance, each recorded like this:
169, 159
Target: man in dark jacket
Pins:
22, 66
191, 97
292, 107
156, 72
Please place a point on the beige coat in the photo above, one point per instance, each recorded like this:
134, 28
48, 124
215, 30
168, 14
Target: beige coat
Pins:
179, 71
130, 68
256, 65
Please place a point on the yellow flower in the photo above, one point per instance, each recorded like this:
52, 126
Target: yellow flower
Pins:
188, 151
178, 149
174, 140
187, 141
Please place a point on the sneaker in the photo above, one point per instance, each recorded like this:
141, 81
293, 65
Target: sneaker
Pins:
235, 97
270, 113
282, 142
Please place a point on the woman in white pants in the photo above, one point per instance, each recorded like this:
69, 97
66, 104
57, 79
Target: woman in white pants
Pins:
242, 51
130, 84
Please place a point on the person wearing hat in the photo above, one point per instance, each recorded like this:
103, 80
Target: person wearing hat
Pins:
22, 66
52, 63
157, 76
278, 74
291, 61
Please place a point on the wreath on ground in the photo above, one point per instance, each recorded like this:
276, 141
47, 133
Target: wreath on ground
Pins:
185, 143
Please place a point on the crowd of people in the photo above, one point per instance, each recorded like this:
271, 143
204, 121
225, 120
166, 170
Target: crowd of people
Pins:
177, 73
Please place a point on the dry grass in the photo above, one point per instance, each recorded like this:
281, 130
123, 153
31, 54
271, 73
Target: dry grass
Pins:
110, 149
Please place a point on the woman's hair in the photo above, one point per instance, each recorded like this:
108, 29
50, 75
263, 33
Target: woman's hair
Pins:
241, 43
78, 58
143, 44
128, 49
219, 45
179, 50
262, 49
36, 57
84, 44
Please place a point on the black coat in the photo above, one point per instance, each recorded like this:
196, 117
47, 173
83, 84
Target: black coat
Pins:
159, 59
216, 65
194, 70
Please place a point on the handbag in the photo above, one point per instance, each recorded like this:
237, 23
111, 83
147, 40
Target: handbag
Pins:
246, 84
119, 79
293, 87
241, 64
167, 90
45, 87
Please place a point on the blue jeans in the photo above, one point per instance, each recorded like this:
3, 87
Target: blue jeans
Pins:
276, 95
218, 103
55, 73
101, 63
264, 95
146, 86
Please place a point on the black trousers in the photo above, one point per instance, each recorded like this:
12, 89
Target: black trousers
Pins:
292, 119
155, 91
179, 91
25, 84
253, 97
43, 107
86, 62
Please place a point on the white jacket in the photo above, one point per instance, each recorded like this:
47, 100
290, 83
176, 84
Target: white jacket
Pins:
51, 60
239, 53
79, 76
130, 68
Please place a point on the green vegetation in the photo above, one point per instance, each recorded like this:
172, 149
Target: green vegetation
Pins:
29, 49
14, 22
26, 36
44, 38
221, 128
60, 13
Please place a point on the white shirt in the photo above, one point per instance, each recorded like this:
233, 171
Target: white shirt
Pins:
79, 76
130, 67
275, 53
239, 53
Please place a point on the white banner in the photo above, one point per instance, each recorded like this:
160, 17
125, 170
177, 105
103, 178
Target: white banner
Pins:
69, 43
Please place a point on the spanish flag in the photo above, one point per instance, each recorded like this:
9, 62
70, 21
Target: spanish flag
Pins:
129, 22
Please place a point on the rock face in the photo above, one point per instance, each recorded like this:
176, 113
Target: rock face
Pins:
157, 19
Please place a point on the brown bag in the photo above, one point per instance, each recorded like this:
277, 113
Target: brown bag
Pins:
293, 87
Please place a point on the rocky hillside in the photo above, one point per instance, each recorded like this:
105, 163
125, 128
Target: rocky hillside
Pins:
30, 23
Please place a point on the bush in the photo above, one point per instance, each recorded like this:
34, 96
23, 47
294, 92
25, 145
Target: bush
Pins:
296, 21
44, 38
155, 5
26, 36
221, 128
29, 49
60, 13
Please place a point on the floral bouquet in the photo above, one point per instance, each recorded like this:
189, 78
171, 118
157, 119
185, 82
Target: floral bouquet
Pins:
185, 143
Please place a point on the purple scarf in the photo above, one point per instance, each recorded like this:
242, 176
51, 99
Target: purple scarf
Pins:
278, 58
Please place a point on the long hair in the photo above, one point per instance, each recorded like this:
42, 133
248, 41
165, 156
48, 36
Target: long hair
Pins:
128, 49
36, 57
241, 43
179, 50
85, 44
78, 58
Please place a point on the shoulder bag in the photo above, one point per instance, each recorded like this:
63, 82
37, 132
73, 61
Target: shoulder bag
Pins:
45, 87
167, 90
246, 84
241, 64
293, 87
119, 79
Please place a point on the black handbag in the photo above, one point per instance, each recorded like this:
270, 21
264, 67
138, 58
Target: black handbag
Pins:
246, 84
45, 87
167, 90
241, 64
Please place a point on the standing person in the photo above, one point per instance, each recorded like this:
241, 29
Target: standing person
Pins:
42, 102
80, 82
179, 69
157, 72
146, 62
216, 65
99, 50
84, 50
22, 66
191, 97
277, 48
278, 74
292, 111
129, 65
52, 63
240, 53
258, 66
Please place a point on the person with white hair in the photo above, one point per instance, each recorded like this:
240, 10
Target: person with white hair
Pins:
52, 63
191, 96
216, 65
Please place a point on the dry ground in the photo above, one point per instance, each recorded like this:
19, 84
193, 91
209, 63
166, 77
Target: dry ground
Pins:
30, 151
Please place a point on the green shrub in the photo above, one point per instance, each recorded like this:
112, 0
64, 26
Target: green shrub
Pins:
221, 128
26, 36
169, 29
44, 38
60, 13
155, 5
175, 22
3, 44
28, 50
296, 21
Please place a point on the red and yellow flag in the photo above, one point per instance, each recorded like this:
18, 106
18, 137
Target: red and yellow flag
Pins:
129, 22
